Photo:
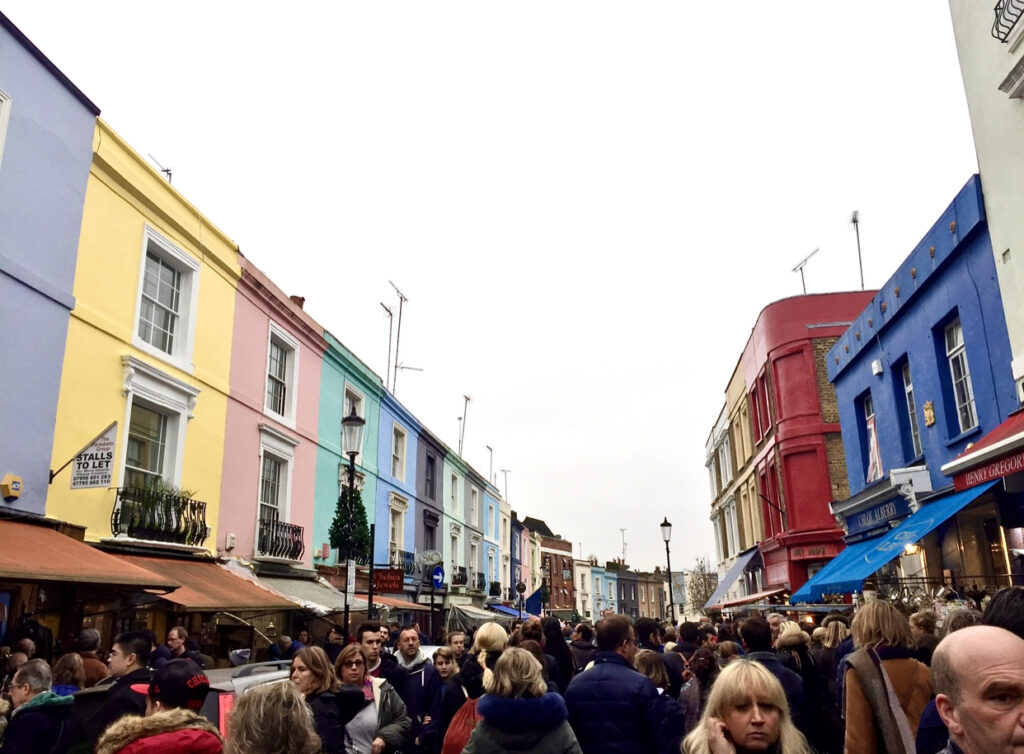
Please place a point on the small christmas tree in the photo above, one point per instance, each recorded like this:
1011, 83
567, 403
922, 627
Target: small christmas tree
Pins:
349, 532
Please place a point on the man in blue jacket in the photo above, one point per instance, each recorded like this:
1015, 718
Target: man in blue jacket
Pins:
611, 706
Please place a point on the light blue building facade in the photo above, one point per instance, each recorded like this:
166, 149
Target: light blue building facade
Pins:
396, 510
46, 132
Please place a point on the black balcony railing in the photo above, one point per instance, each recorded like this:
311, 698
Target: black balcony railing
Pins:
459, 576
495, 590
407, 561
479, 581
159, 516
278, 539
1008, 13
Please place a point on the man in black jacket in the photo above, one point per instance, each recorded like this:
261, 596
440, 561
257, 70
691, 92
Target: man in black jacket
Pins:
649, 637
382, 664
582, 646
127, 662
757, 640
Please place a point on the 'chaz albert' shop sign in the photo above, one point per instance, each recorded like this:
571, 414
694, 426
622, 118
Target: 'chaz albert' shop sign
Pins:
988, 471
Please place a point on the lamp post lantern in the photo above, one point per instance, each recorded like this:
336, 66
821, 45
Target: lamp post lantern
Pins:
351, 442
666, 534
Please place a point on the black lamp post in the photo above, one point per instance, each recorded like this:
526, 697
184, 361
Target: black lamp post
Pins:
666, 534
351, 442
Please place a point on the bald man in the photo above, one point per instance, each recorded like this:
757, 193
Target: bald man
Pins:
978, 674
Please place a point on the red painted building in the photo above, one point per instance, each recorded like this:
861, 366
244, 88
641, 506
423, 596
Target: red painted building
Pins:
799, 461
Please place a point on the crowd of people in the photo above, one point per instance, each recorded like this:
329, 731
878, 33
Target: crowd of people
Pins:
879, 682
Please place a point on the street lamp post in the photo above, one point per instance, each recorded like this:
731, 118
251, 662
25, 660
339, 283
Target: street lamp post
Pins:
666, 534
351, 442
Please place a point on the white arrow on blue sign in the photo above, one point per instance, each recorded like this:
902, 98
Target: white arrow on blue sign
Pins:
438, 577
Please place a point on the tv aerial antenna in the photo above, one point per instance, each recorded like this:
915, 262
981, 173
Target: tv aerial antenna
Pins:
165, 171
800, 268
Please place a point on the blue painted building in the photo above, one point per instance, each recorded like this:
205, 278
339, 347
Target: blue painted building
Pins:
396, 510
920, 374
46, 133
492, 542
516, 552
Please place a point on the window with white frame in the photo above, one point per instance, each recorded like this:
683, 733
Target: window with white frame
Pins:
490, 567
5, 118
963, 392
908, 389
716, 521
455, 493
277, 453
731, 530
167, 297
473, 550
643, 595
398, 453
158, 407
282, 373
474, 506
611, 591
397, 507
633, 592
455, 531
147, 442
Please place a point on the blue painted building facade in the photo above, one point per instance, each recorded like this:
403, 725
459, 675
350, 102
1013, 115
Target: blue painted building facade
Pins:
920, 374
492, 542
46, 133
396, 509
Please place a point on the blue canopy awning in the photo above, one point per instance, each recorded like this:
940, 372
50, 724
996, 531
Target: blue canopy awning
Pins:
533, 603
742, 560
846, 572
514, 612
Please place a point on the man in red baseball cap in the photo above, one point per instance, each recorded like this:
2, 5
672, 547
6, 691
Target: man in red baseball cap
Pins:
172, 723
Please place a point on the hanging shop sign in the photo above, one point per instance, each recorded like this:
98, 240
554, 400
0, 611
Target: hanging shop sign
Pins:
388, 579
93, 466
877, 515
1000, 467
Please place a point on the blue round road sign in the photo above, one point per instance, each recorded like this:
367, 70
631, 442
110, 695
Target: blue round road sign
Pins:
438, 577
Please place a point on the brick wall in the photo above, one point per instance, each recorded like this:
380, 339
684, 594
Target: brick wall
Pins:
837, 466
826, 393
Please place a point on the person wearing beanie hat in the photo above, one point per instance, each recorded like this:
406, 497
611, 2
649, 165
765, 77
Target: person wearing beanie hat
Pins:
172, 722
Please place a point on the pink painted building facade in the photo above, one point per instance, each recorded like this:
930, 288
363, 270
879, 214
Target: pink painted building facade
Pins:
270, 437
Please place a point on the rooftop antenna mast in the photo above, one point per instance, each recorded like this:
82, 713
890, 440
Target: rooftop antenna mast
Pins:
799, 268
462, 425
623, 532
165, 171
505, 473
855, 220
391, 322
402, 298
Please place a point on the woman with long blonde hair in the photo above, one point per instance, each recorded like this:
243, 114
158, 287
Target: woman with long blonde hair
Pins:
272, 719
746, 712
471, 681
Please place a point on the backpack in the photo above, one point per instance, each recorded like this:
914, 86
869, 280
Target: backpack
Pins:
461, 727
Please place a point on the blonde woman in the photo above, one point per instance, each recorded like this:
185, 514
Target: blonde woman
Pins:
272, 719
884, 658
470, 682
746, 712
519, 713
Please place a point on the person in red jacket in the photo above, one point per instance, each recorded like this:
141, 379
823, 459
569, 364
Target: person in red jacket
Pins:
172, 722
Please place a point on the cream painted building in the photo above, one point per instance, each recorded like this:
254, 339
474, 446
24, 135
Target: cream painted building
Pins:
991, 49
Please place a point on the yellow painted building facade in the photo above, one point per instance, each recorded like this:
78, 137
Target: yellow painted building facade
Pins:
148, 347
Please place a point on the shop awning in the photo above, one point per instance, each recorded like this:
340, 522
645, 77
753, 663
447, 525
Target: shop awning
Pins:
742, 560
313, 594
750, 598
514, 612
379, 600
997, 454
38, 553
207, 586
846, 572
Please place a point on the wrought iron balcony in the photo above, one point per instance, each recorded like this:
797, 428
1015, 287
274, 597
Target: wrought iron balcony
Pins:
495, 590
407, 561
158, 516
459, 576
278, 539
1008, 13
479, 581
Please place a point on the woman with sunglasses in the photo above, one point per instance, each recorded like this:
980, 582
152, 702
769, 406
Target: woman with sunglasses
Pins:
378, 728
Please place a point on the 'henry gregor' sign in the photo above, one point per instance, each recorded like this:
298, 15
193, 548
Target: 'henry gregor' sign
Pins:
94, 464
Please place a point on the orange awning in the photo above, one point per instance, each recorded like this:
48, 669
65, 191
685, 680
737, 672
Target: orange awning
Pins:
381, 601
39, 553
751, 598
209, 587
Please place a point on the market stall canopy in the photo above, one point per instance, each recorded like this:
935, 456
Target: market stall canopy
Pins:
393, 603
313, 594
742, 561
752, 598
207, 586
38, 553
511, 611
467, 617
846, 572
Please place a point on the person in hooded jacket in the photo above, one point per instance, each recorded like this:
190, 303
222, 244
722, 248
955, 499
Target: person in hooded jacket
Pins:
172, 722
333, 706
582, 646
41, 720
519, 714
489, 642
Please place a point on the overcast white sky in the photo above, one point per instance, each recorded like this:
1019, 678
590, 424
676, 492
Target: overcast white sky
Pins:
587, 204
